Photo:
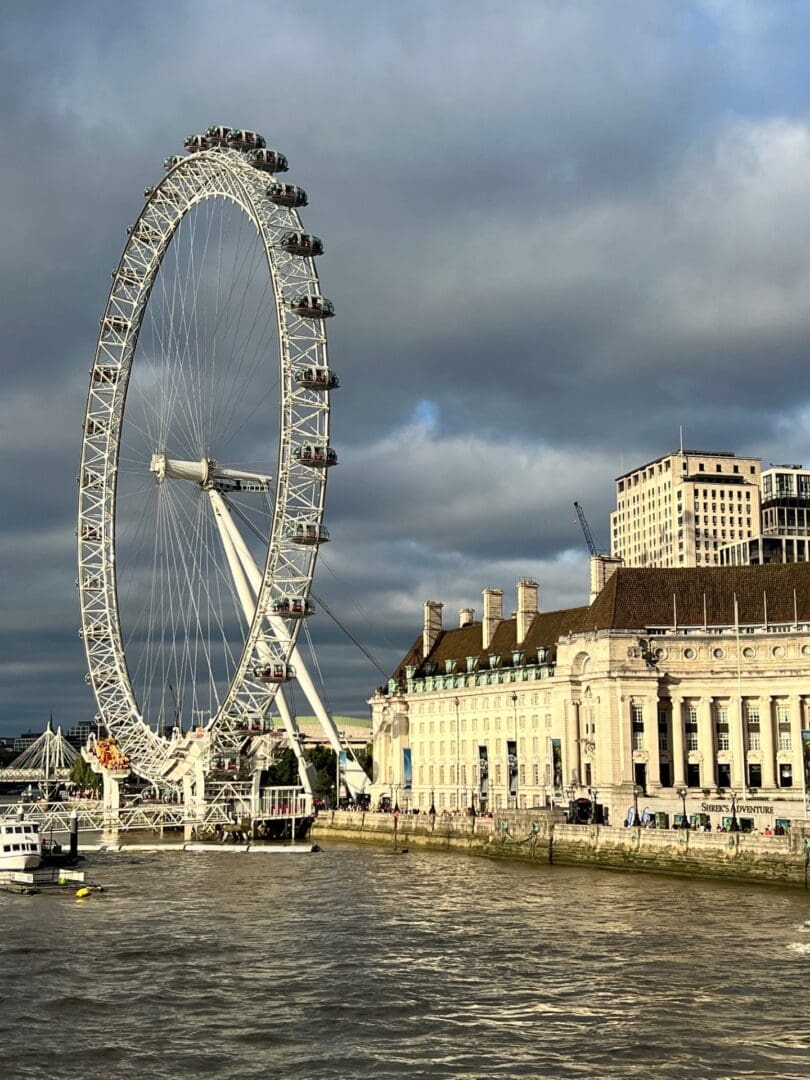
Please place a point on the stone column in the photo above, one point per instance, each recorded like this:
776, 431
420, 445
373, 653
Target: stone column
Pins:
653, 750
627, 725
571, 745
111, 793
767, 742
678, 759
736, 745
708, 772
796, 742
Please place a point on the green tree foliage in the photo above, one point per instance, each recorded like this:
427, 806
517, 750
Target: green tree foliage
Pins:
365, 759
83, 776
284, 771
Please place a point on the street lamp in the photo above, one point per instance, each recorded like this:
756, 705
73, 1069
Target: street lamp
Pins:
735, 825
432, 810
637, 790
593, 794
517, 755
681, 793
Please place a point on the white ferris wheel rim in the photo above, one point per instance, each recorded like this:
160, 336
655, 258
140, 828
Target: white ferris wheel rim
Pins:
299, 490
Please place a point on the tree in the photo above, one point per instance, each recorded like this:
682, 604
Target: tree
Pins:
284, 771
365, 759
83, 776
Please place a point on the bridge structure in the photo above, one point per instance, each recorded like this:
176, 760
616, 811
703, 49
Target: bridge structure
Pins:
234, 807
48, 760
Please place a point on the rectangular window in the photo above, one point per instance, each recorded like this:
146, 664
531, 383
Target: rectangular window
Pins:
783, 724
637, 724
721, 727
752, 725
691, 727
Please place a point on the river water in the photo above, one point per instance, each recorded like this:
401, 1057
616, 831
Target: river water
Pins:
356, 962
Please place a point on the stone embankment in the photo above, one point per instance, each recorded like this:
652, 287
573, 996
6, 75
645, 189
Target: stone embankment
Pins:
540, 836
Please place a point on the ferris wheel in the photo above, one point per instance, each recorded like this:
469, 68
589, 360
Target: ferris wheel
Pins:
205, 455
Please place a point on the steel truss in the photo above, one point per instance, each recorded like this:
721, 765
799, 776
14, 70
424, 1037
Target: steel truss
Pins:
215, 174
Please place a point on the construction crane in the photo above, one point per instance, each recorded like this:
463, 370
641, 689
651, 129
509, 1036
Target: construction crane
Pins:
586, 529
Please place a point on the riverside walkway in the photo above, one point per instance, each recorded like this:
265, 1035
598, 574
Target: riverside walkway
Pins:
541, 836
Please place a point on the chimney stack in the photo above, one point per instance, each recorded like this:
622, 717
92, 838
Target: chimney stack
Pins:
493, 614
526, 609
603, 567
432, 626
466, 617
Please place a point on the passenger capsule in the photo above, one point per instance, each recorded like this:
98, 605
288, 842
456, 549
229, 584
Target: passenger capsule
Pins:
292, 607
316, 457
267, 160
195, 143
217, 134
309, 535
175, 159
274, 673
287, 195
316, 378
312, 307
244, 140
300, 243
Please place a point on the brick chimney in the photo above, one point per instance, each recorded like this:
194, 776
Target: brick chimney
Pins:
527, 607
493, 614
432, 626
466, 617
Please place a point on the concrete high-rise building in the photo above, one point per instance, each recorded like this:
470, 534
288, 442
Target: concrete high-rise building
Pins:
785, 532
680, 509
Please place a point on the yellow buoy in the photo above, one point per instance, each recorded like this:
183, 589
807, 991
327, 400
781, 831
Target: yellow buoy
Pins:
82, 893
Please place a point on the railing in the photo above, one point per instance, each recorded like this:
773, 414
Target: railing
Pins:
276, 803
284, 802
32, 776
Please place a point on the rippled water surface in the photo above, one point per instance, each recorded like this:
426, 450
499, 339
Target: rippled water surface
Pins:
359, 963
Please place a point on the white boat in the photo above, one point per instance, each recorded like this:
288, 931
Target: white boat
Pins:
20, 844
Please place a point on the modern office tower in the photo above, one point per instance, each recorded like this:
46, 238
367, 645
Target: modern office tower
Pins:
680, 509
785, 531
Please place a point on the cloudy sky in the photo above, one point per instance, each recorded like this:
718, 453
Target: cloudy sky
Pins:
556, 230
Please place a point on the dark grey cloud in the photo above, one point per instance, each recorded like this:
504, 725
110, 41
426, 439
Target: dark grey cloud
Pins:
555, 232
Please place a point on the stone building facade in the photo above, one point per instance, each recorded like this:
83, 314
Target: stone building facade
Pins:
675, 688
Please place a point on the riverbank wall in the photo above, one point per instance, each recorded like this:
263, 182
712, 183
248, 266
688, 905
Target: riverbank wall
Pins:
541, 836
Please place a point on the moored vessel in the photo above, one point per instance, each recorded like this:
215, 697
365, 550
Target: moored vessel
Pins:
20, 844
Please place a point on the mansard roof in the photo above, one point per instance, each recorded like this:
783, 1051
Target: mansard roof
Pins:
546, 628
635, 598
639, 598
